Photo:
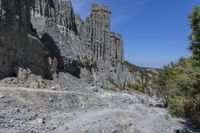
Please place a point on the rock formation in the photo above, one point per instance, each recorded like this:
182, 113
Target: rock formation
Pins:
45, 45
46, 36
20, 47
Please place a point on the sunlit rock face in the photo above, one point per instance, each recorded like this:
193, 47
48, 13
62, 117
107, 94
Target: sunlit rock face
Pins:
46, 36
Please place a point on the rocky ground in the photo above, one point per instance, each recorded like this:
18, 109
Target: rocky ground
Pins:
82, 108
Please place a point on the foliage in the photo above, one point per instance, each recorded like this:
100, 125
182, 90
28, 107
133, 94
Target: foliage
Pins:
195, 36
138, 86
179, 84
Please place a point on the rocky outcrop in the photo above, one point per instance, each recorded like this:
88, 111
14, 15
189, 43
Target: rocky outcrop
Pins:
50, 37
88, 49
62, 29
20, 47
64, 15
104, 44
98, 32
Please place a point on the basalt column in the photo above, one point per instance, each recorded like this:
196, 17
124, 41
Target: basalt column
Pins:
113, 51
98, 31
116, 50
120, 50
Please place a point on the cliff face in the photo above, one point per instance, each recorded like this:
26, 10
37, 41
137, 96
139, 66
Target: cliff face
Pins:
20, 49
105, 45
46, 36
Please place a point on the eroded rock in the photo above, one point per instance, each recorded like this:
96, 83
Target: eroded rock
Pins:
49, 37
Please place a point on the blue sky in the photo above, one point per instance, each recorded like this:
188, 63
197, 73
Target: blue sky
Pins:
155, 32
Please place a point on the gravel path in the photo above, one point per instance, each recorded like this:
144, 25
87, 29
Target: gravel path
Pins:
70, 111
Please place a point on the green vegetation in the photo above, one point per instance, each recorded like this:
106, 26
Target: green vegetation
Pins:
138, 86
143, 77
179, 83
195, 36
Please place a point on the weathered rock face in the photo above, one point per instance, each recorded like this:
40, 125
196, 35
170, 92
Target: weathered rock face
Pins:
64, 15
46, 36
61, 28
98, 32
106, 46
19, 45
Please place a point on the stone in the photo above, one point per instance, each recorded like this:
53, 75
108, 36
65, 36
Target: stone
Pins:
50, 99
114, 130
34, 84
17, 109
40, 121
52, 38
66, 128
55, 87
2, 96
54, 127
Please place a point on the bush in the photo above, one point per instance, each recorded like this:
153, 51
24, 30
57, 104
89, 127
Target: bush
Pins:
180, 86
176, 106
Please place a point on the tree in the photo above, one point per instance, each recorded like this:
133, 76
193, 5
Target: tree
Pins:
195, 36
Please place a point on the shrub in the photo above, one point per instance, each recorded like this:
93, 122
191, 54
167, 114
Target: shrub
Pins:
176, 106
180, 85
